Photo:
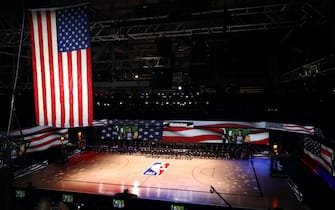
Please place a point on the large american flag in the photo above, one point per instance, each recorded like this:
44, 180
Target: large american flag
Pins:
321, 154
40, 138
61, 59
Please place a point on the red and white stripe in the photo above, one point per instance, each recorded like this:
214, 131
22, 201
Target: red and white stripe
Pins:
203, 134
207, 134
327, 154
43, 141
221, 124
259, 137
298, 128
42, 137
294, 128
30, 131
324, 159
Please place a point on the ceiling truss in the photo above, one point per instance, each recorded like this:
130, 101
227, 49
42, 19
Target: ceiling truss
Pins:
197, 23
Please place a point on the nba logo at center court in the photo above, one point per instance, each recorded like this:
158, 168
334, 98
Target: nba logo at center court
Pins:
156, 169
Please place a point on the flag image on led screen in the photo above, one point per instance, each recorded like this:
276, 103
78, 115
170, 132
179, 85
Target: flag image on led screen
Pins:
186, 131
215, 135
214, 132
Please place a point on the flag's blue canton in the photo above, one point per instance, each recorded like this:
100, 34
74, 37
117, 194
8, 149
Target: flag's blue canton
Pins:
313, 146
147, 129
73, 31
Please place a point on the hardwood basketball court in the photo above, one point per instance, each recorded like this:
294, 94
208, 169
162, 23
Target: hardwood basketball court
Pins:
242, 183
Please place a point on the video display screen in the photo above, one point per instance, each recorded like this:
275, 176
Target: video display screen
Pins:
142, 130
121, 132
20, 193
118, 203
127, 132
206, 134
235, 135
180, 131
177, 207
67, 198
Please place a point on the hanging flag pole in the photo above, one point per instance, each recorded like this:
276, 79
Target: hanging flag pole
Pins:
8, 197
12, 102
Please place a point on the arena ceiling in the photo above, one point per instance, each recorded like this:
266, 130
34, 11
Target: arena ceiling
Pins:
232, 46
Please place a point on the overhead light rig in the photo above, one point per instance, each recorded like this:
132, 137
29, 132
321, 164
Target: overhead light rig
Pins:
197, 23
256, 18
310, 70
